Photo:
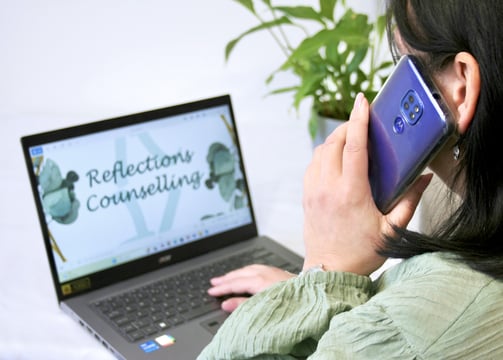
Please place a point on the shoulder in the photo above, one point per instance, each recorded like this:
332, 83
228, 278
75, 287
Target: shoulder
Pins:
430, 306
434, 299
423, 265
435, 271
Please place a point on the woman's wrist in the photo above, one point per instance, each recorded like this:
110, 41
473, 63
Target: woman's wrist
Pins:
327, 261
312, 269
349, 265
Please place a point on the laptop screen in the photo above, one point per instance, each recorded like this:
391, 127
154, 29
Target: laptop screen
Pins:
135, 186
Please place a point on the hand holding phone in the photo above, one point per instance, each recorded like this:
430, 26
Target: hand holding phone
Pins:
409, 124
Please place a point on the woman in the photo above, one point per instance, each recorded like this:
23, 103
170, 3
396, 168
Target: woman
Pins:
445, 299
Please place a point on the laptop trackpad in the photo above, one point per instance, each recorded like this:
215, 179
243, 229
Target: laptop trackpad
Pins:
212, 325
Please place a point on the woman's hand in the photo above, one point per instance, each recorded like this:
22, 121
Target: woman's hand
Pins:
250, 280
342, 225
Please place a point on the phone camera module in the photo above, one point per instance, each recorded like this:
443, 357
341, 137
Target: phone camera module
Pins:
411, 107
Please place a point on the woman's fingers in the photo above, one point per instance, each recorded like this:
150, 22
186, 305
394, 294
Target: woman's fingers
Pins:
242, 285
355, 154
247, 280
231, 304
341, 222
333, 145
402, 213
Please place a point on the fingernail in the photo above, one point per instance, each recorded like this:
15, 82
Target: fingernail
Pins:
358, 100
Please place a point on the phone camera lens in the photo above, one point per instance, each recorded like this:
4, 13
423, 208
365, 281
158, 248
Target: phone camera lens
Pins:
411, 107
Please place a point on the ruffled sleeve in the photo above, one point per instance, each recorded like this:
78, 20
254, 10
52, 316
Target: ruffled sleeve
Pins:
430, 306
287, 320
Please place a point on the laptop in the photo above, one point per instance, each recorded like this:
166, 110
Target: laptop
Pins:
137, 213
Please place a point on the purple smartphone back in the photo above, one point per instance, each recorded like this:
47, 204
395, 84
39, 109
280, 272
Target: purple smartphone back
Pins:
408, 125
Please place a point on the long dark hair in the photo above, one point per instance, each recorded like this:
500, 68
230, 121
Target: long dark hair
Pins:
439, 29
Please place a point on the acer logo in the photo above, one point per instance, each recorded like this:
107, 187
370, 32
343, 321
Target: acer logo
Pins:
164, 259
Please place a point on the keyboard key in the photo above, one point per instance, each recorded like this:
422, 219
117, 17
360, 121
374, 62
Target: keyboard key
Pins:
135, 335
201, 310
150, 309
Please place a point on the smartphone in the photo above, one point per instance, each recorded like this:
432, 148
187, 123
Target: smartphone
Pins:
409, 124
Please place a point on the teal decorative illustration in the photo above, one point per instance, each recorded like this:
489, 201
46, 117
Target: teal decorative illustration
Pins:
58, 195
223, 174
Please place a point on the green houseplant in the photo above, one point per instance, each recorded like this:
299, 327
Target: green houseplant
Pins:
333, 62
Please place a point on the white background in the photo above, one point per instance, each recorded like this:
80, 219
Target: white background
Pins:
65, 62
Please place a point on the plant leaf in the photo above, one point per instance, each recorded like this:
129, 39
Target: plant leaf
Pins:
283, 90
332, 54
370, 94
311, 46
381, 26
265, 25
270, 78
300, 12
327, 8
384, 65
308, 87
358, 58
352, 24
313, 124
247, 4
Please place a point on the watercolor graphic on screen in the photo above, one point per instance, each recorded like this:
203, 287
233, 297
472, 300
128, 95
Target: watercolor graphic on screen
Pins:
58, 196
222, 162
222, 165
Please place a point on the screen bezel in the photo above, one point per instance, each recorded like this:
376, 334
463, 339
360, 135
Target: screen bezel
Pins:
146, 264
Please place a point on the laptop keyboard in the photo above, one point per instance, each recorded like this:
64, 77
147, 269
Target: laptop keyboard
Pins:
153, 308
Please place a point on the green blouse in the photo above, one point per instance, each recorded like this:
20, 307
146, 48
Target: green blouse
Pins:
428, 307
